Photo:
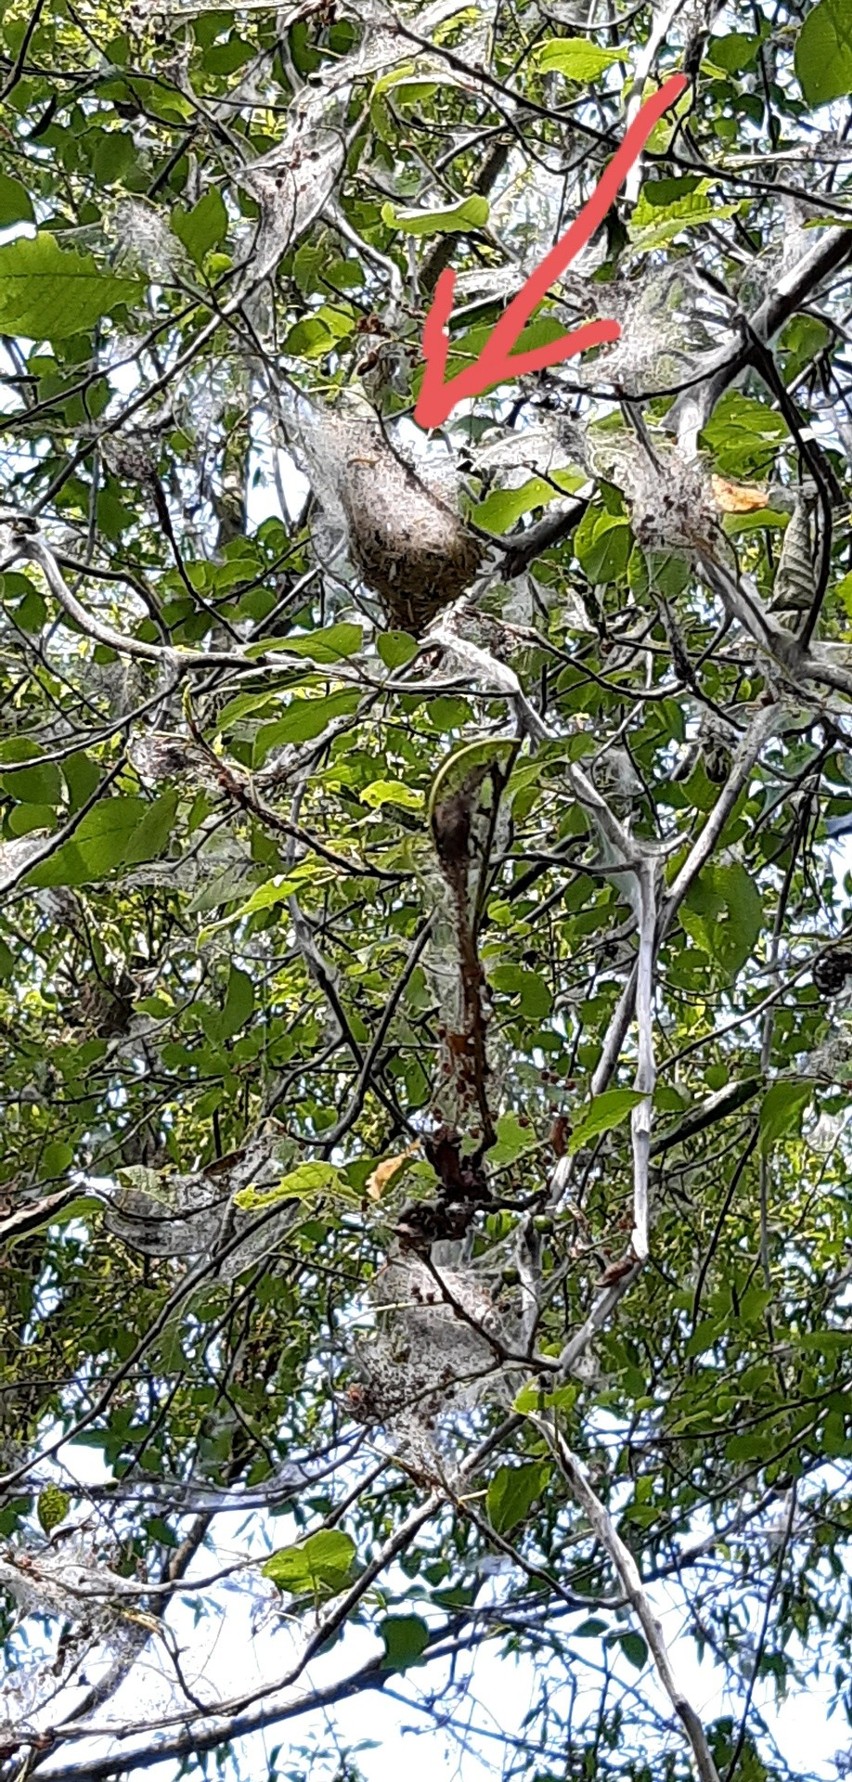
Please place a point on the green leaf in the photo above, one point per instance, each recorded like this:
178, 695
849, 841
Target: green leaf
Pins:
723, 914
513, 1491
663, 230
411, 92
391, 792
52, 1507
753, 1304
659, 217
406, 1638
302, 1183
532, 1398
114, 156
823, 56
602, 545
202, 227
56, 1158
535, 997
99, 844
307, 263
319, 333
833, 1439
502, 508
469, 213
329, 645
309, 338
82, 774
48, 292
782, 1110
603, 1113
15, 202
31, 612
275, 890
828, 1342
396, 648
634, 1648
704, 1336
239, 1003
24, 818
303, 719
464, 766
755, 1444
225, 58
743, 435
575, 57
542, 331
512, 1140
40, 783
151, 837
733, 53
320, 1566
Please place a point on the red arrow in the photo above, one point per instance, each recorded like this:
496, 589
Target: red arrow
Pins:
497, 363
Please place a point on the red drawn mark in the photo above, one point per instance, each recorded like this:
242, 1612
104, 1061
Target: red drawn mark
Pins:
497, 363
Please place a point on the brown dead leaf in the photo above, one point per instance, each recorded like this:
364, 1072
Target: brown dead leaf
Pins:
559, 1133
616, 1271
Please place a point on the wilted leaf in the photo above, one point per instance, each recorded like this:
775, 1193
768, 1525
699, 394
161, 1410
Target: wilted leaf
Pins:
384, 1172
737, 498
464, 766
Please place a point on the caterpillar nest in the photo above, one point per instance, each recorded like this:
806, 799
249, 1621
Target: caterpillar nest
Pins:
194, 1216
437, 1346
669, 495
405, 539
68, 1582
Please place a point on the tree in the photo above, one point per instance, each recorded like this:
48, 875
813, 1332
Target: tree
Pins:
425, 940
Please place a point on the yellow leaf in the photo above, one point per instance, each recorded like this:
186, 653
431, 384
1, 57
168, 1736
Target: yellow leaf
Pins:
385, 1171
737, 498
